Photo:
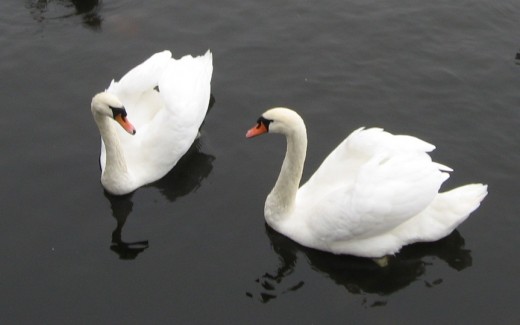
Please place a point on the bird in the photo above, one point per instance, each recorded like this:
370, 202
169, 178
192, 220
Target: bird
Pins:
150, 118
373, 194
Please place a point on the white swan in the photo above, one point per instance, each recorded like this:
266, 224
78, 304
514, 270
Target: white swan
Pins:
375, 193
166, 100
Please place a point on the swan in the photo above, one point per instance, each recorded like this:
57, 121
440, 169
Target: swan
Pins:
373, 194
166, 100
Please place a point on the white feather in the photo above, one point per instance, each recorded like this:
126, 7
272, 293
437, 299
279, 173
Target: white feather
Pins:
373, 194
166, 100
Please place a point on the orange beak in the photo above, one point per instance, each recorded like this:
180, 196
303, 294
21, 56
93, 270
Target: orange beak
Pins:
258, 129
125, 124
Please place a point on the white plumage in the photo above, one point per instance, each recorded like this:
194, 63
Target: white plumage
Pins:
166, 100
373, 194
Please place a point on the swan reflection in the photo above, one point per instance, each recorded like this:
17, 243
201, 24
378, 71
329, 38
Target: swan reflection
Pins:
187, 175
360, 276
121, 208
183, 179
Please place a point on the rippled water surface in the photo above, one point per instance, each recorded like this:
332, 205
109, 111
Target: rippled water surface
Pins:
193, 248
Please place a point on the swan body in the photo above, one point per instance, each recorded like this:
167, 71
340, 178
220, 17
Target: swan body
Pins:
373, 194
166, 100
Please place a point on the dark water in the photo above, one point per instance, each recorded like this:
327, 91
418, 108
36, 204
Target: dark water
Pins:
193, 248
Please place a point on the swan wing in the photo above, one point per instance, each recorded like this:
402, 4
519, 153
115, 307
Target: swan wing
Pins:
137, 89
371, 183
185, 88
184, 91
141, 78
343, 163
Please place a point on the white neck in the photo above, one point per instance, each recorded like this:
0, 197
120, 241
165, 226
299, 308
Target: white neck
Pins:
115, 174
280, 202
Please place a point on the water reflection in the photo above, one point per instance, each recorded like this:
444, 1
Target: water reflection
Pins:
42, 10
187, 175
121, 208
184, 178
358, 275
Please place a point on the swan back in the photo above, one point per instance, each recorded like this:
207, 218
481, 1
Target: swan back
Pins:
358, 148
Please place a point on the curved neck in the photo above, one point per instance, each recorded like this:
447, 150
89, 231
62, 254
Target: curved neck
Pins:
280, 202
115, 163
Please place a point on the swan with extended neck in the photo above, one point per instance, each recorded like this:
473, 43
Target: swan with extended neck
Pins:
373, 194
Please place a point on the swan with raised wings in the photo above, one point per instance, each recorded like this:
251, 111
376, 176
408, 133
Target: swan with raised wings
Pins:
373, 194
166, 100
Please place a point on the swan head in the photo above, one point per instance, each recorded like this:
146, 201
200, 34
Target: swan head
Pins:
108, 105
277, 120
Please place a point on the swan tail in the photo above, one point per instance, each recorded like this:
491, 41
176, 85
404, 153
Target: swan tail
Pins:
447, 211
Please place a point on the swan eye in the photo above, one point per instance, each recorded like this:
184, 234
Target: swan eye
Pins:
263, 121
118, 111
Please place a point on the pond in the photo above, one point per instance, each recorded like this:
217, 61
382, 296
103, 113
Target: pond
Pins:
193, 248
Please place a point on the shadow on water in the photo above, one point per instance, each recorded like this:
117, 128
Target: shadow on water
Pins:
187, 175
121, 208
361, 276
183, 179
88, 10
